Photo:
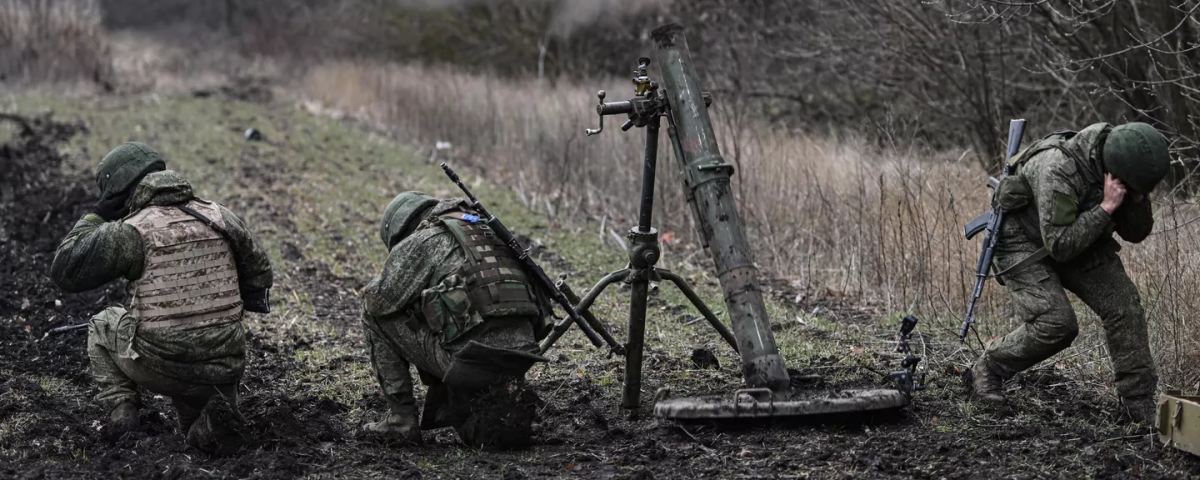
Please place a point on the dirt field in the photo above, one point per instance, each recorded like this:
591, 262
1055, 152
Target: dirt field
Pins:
313, 190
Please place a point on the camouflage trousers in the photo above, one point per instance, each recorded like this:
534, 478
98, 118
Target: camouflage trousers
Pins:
119, 370
395, 344
1049, 325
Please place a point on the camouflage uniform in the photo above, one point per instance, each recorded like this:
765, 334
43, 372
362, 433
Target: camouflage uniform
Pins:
423, 268
190, 364
1064, 189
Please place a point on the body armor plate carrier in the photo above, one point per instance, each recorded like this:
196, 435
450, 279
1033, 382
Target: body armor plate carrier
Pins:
190, 279
496, 285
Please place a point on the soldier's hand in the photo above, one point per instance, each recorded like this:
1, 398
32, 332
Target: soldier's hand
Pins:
114, 207
1114, 193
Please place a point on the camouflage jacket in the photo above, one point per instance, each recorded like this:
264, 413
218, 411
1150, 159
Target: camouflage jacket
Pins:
420, 262
415, 264
1066, 197
96, 252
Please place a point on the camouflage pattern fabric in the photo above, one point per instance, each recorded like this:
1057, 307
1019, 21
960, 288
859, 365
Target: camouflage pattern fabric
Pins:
185, 364
1083, 259
119, 369
397, 337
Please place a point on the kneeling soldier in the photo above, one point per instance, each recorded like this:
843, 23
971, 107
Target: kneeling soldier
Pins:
453, 301
192, 267
1070, 193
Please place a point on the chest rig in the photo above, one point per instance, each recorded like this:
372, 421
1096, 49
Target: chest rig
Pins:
1017, 198
495, 283
189, 279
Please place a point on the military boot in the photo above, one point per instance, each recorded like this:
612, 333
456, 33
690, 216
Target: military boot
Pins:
124, 417
1141, 410
399, 427
220, 428
987, 384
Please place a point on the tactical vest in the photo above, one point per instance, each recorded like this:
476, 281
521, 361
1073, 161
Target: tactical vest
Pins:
190, 279
1015, 195
1059, 141
495, 283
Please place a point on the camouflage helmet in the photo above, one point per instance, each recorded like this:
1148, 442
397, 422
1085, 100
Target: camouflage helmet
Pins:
125, 165
1136, 154
403, 215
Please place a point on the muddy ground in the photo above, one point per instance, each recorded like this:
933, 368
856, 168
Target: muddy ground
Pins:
1055, 428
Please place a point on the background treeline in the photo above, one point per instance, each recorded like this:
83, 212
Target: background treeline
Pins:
945, 73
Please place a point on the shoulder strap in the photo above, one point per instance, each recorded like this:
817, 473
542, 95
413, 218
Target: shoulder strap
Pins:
217, 228
1057, 141
1053, 140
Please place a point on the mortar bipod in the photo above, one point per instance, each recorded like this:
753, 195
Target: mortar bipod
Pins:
645, 110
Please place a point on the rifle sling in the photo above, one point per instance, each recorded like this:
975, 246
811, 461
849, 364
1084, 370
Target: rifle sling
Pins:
1036, 256
237, 260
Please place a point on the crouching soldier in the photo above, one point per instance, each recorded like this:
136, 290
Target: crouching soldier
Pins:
1070, 193
453, 301
193, 268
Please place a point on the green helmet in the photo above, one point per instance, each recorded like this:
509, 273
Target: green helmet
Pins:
1136, 154
402, 216
124, 166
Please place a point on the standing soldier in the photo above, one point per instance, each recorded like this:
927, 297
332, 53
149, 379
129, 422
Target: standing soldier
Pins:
192, 267
1070, 193
453, 301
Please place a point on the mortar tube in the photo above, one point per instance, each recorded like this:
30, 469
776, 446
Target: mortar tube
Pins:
708, 177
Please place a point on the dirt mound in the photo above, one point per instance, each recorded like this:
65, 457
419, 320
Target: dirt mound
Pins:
38, 205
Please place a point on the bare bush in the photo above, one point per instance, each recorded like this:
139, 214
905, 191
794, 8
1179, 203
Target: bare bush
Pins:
872, 207
53, 41
832, 215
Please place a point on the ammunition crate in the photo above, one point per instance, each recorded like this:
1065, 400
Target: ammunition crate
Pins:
1178, 421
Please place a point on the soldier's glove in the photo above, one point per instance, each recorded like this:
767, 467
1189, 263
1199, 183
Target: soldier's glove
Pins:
257, 301
114, 207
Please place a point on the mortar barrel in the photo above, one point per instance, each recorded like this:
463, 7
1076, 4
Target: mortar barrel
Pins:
707, 176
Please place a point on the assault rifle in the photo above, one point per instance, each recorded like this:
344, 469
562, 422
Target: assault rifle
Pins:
64, 329
522, 253
990, 221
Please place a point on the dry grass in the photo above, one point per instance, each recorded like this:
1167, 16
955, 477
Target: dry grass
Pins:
825, 213
52, 41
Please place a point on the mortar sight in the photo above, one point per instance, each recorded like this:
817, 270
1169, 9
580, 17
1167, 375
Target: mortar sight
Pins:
907, 325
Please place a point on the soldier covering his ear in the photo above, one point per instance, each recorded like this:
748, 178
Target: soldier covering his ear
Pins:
1070, 193
193, 268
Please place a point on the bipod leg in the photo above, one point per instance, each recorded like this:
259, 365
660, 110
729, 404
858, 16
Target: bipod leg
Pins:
699, 304
584, 306
587, 314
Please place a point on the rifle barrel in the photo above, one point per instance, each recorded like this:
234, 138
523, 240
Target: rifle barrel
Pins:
470, 196
63, 329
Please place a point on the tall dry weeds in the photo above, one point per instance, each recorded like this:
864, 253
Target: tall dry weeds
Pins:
53, 41
827, 214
